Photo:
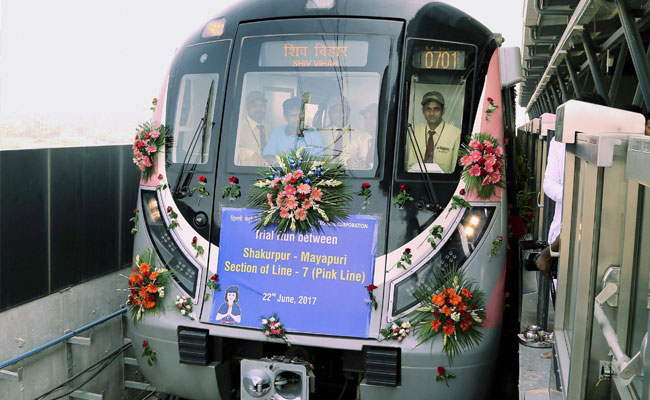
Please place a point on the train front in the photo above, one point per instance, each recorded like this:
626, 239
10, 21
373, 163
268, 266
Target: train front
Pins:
316, 208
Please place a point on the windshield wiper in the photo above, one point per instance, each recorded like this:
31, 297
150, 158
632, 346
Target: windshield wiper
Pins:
203, 128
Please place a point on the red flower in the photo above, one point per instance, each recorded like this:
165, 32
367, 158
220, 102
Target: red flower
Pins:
233, 179
202, 179
135, 210
371, 287
194, 239
147, 136
214, 277
293, 180
303, 196
500, 238
507, 140
160, 177
276, 187
436, 313
462, 192
365, 185
490, 99
402, 188
441, 371
154, 101
169, 209
407, 251
145, 343
449, 322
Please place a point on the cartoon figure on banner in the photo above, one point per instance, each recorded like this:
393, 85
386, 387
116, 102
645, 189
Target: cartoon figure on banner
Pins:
230, 312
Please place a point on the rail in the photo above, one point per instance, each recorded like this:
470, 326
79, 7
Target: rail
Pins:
61, 339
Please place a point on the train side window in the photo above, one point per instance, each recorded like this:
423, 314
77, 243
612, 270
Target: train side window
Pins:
437, 77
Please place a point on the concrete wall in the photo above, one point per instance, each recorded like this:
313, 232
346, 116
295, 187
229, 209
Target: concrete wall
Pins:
33, 324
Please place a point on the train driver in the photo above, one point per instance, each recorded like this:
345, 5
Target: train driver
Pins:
290, 136
252, 135
436, 140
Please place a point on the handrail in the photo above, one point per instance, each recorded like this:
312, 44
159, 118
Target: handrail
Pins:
62, 338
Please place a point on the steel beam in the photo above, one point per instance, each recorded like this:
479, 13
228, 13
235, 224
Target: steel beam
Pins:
541, 11
618, 72
596, 74
637, 93
633, 38
556, 100
577, 87
560, 83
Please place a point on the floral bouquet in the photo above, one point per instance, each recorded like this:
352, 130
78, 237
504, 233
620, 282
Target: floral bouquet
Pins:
184, 306
452, 306
482, 162
397, 331
149, 139
300, 192
273, 328
146, 286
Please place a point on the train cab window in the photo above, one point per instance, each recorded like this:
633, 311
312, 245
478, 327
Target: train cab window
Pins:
320, 93
437, 74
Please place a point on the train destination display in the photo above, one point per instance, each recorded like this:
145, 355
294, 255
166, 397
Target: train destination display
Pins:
314, 53
306, 280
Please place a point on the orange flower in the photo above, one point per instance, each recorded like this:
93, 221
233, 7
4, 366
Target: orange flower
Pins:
463, 307
136, 301
466, 293
143, 292
144, 267
448, 329
151, 288
136, 278
450, 291
153, 276
149, 304
455, 299
465, 325
446, 310
435, 325
438, 299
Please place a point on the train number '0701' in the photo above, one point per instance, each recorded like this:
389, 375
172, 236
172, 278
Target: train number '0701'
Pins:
307, 300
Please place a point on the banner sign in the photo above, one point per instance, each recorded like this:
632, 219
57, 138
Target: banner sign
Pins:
315, 283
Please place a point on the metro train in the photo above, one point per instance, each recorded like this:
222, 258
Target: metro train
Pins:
259, 75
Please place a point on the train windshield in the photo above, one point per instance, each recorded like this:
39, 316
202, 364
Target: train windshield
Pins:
317, 92
437, 73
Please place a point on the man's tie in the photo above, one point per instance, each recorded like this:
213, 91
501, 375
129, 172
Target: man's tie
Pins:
428, 154
260, 127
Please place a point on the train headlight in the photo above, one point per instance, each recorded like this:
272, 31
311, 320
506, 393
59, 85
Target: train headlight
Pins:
185, 273
469, 231
474, 220
214, 28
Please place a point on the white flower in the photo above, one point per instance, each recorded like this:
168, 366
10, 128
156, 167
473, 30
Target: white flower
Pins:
138, 315
161, 291
394, 327
277, 324
264, 322
272, 319
189, 306
183, 312
475, 317
177, 298
406, 324
402, 332
455, 316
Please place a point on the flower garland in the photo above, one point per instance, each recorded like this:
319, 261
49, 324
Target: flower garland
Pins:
482, 162
300, 192
402, 197
496, 247
146, 286
233, 190
452, 306
396, 331
148, 353
149, 139
135, 220
184, 305
273, 328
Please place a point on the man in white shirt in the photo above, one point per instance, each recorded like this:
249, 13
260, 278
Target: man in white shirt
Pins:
553, 184
252, 135
437, 140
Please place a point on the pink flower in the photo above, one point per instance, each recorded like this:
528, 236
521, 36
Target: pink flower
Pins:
147, 162
290, 190
291, 203
269, 198
267, 333
495, 177
487, 143
280, 199
301, 214
316, 194
298, 174
507, 140
284, 212
466, 161
151, 149
304, 188
474, 144
399, 339
490, 159
154, 134
475, 171
489, 168
179, 305
275, 181
475, 155
498, 151
287, 178
140, 144
307, 204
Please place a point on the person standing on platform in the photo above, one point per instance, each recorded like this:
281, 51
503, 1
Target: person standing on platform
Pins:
252, 135
436, 140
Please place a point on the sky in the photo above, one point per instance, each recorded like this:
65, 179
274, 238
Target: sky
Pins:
99, 64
